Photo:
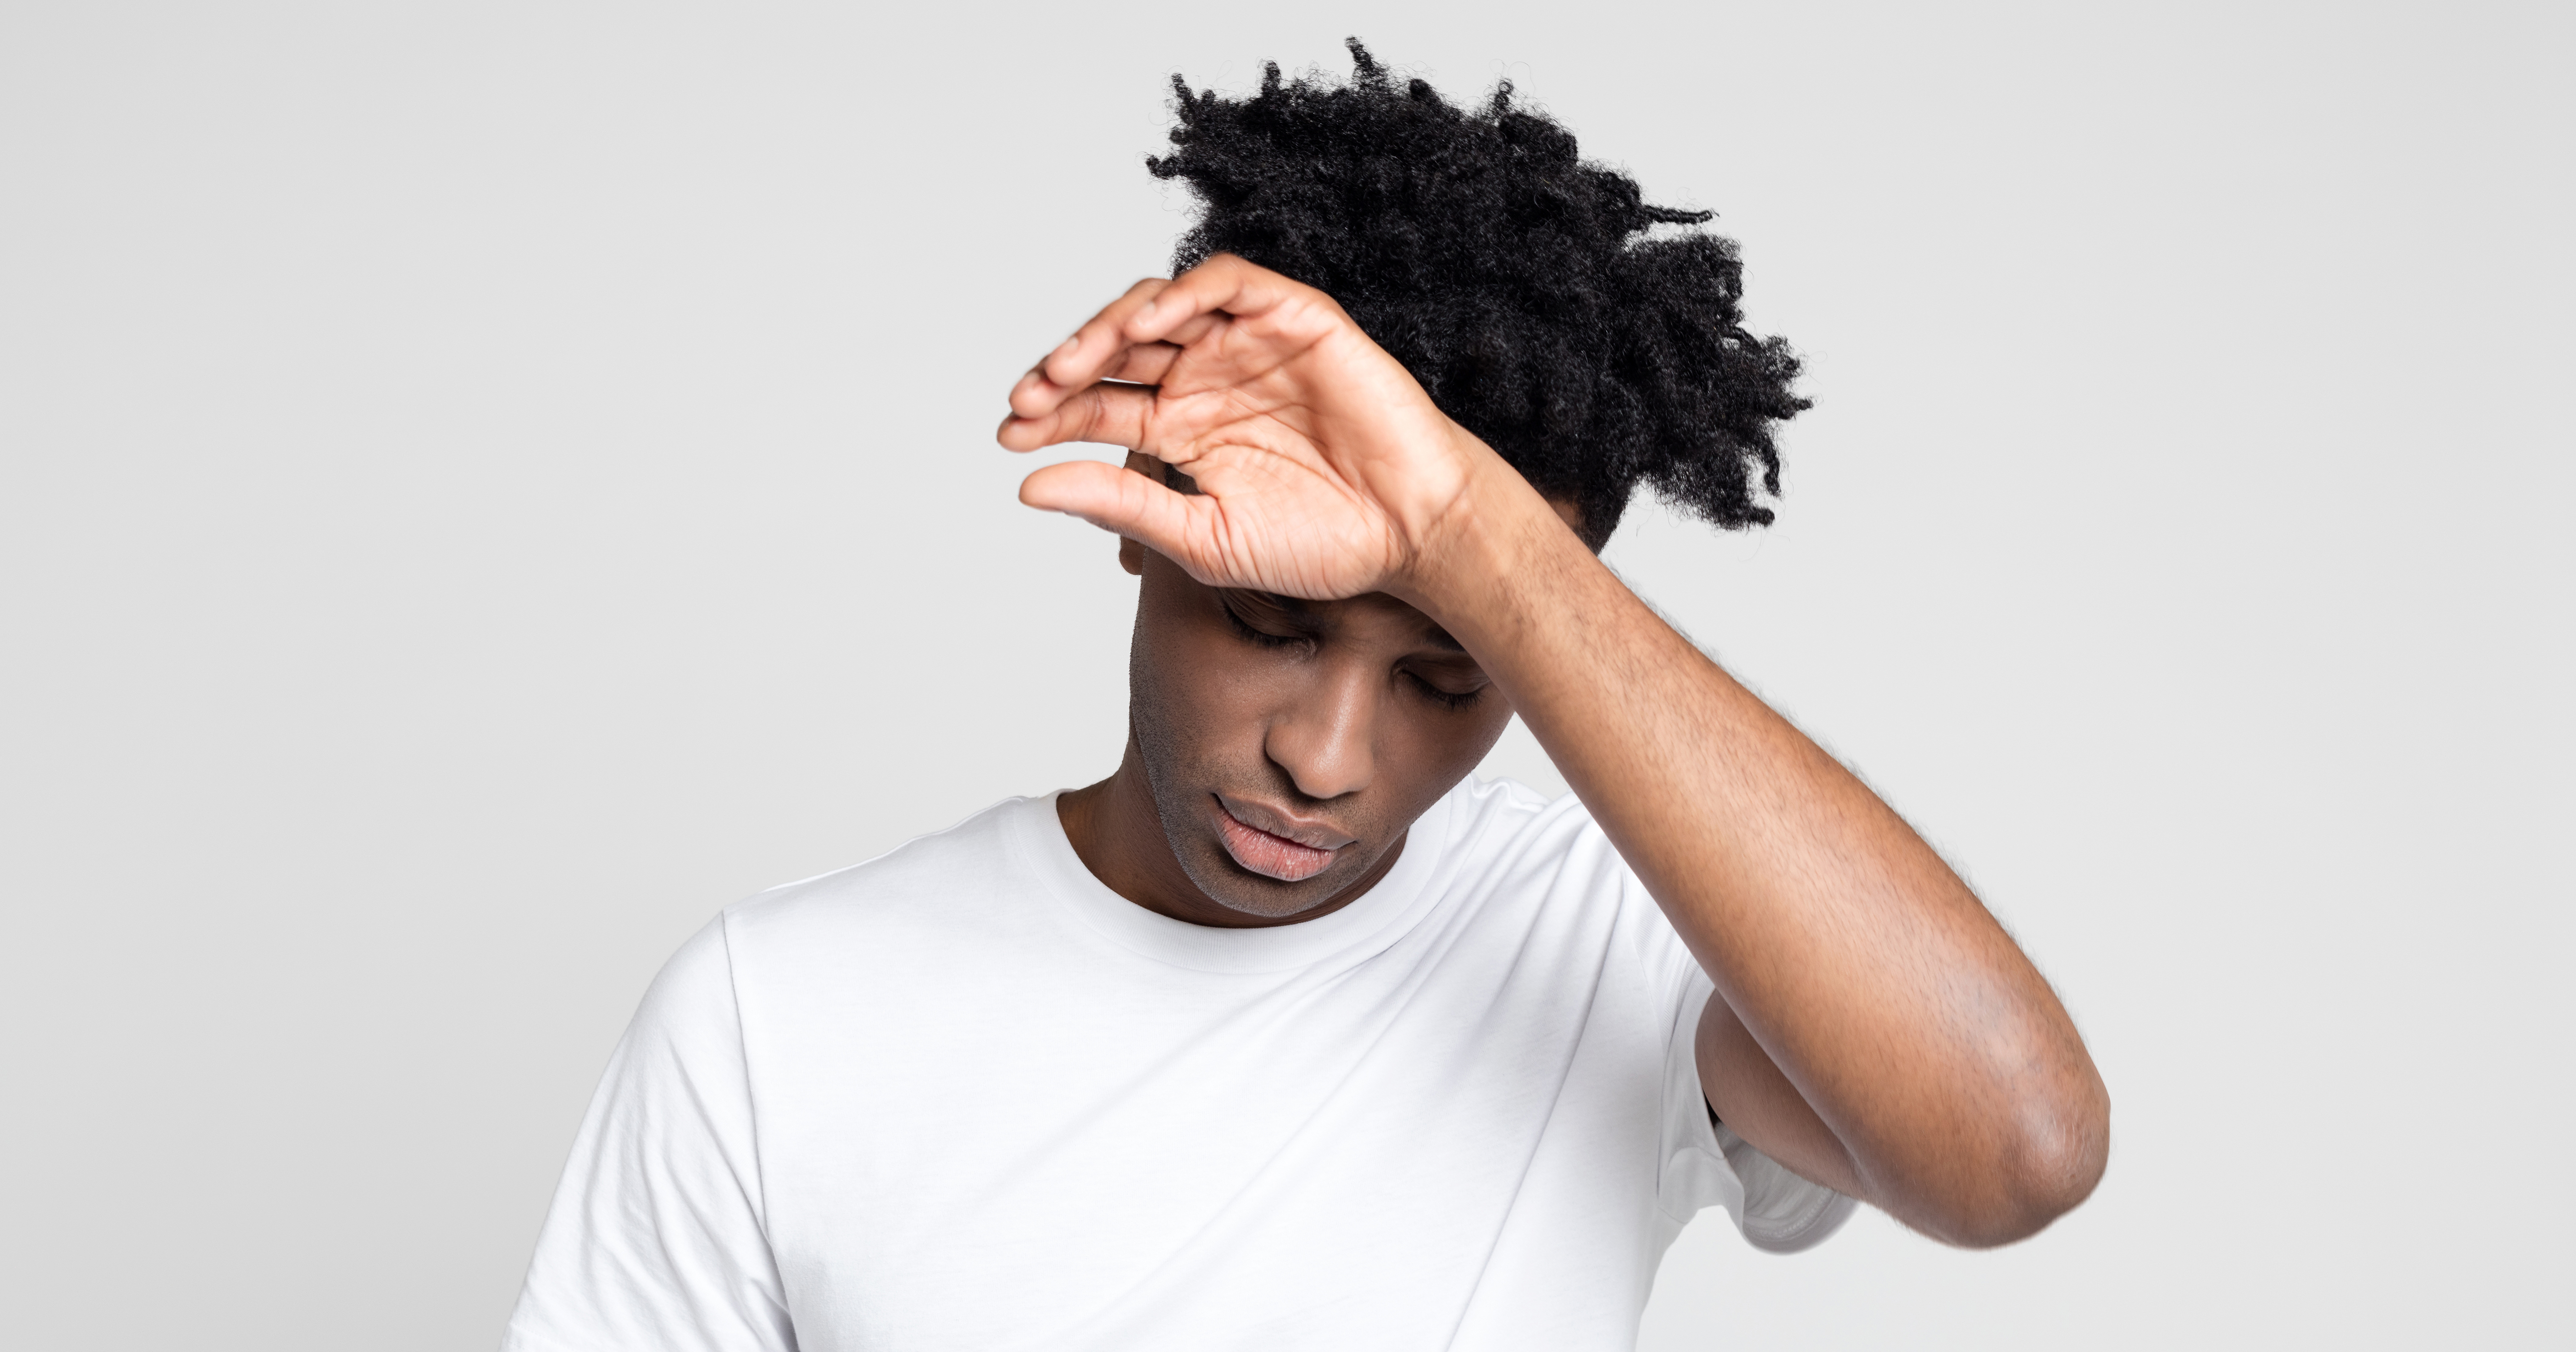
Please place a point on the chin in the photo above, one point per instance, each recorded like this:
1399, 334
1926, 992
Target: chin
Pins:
1241, 890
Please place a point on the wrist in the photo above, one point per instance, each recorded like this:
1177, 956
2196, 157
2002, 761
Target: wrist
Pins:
1495, 535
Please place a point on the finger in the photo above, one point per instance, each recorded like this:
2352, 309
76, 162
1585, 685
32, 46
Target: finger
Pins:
1141, 363
1035, 394
1082, 358
1116, 499
1148, 363
1094, 348
1115, 415
1223, 285
1191, 330
1144, 364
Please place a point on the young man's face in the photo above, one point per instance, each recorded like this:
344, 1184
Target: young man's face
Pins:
1288, 744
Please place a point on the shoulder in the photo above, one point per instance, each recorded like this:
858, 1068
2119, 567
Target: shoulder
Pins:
947, 901
979, 856
1501, 830
1510, 841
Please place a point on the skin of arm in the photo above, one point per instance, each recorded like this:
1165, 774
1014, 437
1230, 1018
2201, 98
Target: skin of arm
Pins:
1876, 1030
1926, 1065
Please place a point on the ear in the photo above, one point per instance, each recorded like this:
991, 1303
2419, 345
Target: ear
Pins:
1572, 516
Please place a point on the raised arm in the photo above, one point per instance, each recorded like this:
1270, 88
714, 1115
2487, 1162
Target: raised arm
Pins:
1935, 1073
1876, 1029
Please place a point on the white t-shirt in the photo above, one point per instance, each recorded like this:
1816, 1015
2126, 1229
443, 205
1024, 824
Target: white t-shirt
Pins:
965, 1097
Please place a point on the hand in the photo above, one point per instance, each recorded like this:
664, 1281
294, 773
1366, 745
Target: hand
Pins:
1323, 469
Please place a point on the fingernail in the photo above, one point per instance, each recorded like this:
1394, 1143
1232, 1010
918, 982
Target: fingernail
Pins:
1069, 344
1148, 311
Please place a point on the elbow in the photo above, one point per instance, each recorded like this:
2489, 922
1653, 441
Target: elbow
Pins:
2046, 1187
2049, 1161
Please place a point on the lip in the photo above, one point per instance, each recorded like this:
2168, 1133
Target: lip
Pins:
1268, 820
1272, 843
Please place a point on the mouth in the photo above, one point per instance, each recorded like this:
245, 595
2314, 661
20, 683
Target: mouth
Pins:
1267, 849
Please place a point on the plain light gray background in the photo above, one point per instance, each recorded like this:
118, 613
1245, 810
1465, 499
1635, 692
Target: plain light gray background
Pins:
487, 485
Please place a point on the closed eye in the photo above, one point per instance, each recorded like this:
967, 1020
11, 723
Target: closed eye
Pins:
1262, 637
1454, 699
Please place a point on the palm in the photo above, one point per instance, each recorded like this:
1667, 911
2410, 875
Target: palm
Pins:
1318, 461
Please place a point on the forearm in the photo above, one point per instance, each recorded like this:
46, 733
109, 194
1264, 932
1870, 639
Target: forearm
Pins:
1872, 977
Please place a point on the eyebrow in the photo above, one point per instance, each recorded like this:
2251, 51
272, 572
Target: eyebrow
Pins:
1293, 609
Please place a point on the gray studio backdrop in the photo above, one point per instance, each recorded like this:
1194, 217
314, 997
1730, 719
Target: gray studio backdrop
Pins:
487, 485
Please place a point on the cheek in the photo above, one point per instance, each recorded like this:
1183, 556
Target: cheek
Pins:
1433, 748
1198, 698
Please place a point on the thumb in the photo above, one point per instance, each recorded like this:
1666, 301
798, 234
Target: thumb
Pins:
1115, 499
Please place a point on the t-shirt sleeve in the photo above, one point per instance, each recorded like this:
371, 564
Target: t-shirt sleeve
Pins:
657, 1238
1704, 1163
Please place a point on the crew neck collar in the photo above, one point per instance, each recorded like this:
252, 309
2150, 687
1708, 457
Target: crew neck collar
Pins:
1377, 918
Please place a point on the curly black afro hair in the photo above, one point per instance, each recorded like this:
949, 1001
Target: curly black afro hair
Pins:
1517, 282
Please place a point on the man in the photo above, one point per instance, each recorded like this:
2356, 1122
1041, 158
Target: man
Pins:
1283, 1035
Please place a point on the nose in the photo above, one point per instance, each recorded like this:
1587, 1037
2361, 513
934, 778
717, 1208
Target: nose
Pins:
1323, 738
